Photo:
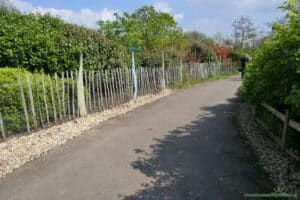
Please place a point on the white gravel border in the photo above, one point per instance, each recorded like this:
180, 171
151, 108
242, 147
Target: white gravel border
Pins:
16, 151
282, 169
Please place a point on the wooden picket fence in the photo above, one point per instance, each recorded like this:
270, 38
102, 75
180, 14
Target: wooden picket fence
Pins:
53, 99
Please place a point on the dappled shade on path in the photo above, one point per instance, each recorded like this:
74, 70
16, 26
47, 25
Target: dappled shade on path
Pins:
201, 160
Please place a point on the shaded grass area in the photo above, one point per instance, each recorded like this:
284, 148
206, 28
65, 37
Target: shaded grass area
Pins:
187, 83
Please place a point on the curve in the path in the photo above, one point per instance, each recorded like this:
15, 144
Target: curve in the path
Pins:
185, 146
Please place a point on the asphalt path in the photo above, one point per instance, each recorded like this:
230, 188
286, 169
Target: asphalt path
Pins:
184, 146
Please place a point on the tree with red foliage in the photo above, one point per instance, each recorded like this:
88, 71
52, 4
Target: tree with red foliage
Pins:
222, 52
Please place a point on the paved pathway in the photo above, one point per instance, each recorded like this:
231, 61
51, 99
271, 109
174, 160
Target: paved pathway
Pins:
185, 146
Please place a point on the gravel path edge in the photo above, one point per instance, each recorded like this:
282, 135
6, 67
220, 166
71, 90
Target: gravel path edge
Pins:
282, 169
18, 150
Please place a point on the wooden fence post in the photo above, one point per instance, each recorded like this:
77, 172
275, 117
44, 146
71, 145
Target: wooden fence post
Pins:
80, 91
52, 99
121, 74
45, 101
93, 89
111, 88
24, 104
163, 83
167, 77
75, 99
141, 86
284, 130
180, 71
114, 86
131, 84
86, 89
119, 86
97, 90
58, 96
127, 84
106, 91
68, 96
100, 89
154, 79
31, 100
89, 92
73, 95
38, 100
147, 81
63, 93
2, 127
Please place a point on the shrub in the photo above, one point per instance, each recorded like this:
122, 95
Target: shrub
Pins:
46, 43
235, 55
273, 76
11, 102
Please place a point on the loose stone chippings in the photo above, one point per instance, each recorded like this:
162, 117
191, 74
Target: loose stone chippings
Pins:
16, 151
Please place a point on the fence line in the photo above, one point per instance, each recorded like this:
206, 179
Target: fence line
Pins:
286, 121
54, 99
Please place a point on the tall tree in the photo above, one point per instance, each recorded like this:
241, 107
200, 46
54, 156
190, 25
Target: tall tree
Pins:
146, 28
244, 33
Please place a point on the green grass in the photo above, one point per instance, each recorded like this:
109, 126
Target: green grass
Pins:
191, 83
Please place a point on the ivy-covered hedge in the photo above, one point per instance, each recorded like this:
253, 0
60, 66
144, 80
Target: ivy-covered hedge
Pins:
43, 42
273, 76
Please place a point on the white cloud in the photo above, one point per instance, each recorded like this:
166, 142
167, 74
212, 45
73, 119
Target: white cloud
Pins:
165, 7
218, 15
178, 16
108, 15
85, 17
208, 26
236, 6
22, 5
162, 6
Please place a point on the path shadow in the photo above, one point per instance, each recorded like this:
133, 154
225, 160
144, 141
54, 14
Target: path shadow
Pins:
205, 159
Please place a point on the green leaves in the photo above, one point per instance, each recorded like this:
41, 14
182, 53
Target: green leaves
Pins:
147, 29
201, 47
42, 42
273, 76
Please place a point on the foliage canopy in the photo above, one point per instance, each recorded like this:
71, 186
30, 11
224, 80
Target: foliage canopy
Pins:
46, 43
274, 75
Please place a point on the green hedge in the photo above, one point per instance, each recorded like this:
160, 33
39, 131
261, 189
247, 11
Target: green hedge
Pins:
46, 43
273, 76
11, 102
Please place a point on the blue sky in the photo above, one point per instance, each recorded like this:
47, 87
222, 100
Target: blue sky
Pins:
206, 16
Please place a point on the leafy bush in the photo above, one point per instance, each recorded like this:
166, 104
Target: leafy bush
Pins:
11, 102
154, 58
46, 43
201, 48
274, 74
98, 52
235, 55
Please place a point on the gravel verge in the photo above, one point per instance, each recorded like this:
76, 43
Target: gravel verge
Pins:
282, 169
17, 150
